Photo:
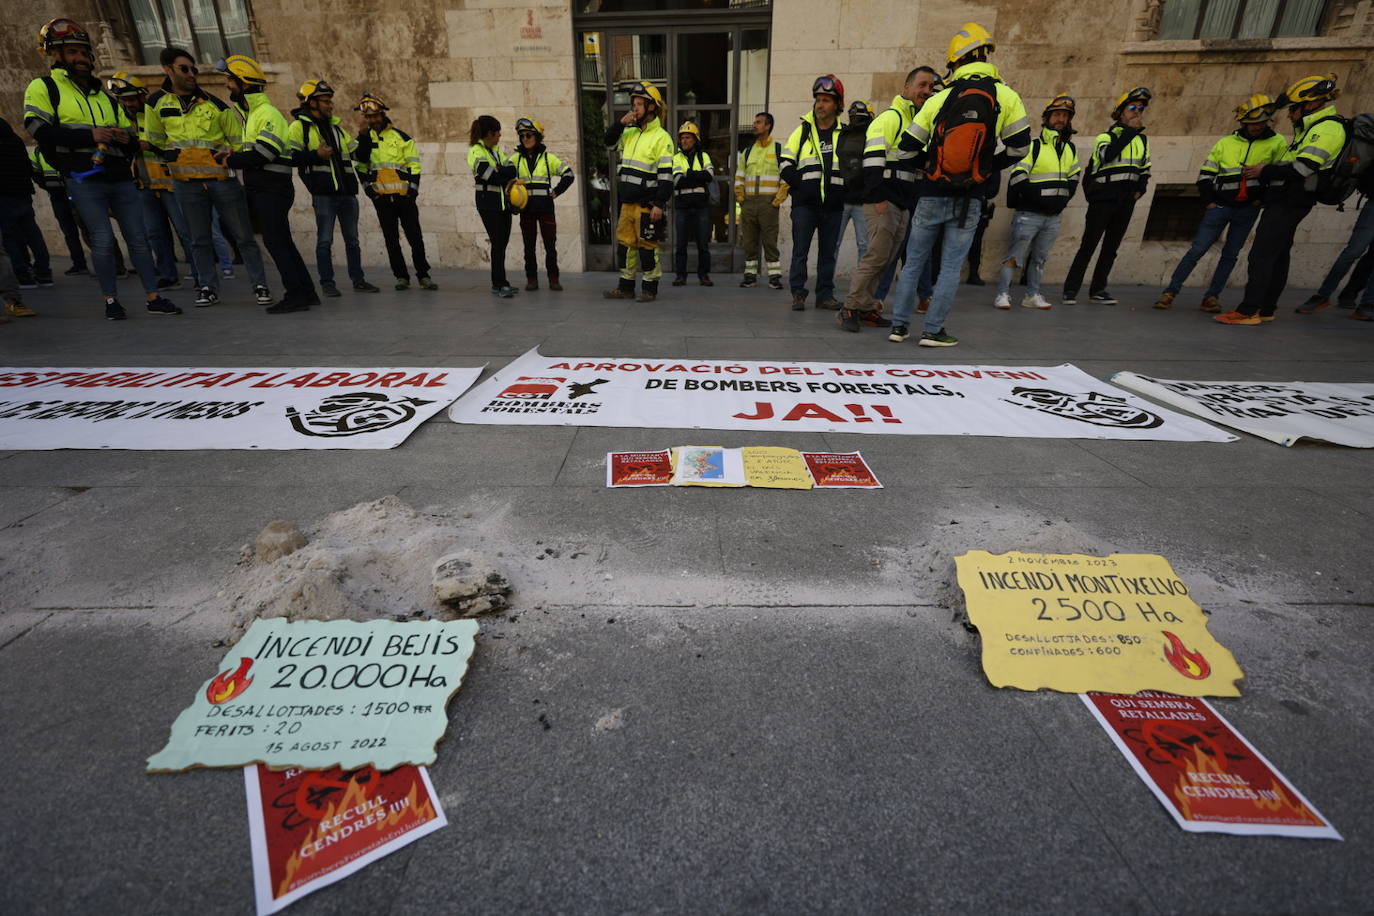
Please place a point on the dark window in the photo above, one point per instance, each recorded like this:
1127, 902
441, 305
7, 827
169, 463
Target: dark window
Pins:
1174, 213
209, 29
1240, 19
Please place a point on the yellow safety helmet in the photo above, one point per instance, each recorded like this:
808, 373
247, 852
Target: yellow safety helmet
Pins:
1309, 89
648, 91
1138, 94
244, 69
517, 194
314, 89
860, 108
967, 40
370, 104
1255, 110
529, 124
1061, 102
689, 128
62, 31
123, 84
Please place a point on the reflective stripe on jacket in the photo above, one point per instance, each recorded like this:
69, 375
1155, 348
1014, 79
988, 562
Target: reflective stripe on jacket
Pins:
886, 175
64, 130
1045, 180
803, 166
644, 174
490, 175
389, 160
190, 131
538, 168
1218, 180
760, 170
336, 175
693, 176
1119, 167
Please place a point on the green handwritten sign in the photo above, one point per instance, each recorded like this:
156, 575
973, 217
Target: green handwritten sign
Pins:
317, 694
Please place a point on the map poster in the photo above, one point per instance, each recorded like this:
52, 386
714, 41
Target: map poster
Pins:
316, 694
1071, 622
310, 828
1203, 771
840, 470
639, 469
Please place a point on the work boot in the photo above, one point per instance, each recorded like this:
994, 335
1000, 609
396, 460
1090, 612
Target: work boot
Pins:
749, 281
625, 290
531, 284
830, 305
554, 284
849, 320
679, 281
799, 301
874, 319
330, 290
649, 292
362, 286
923, 306
775, 281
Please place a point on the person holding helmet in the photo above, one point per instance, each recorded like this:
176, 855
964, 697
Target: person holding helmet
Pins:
1319, 135
812, 171
1040, 187
693, 176
265, 159
889, 193
1117, 176
644, 187
322, 152
490, 175
759, 192
194, 131
538, 167
87, 137
389, 163
956, 133
159, 203
1231, 203
852, 141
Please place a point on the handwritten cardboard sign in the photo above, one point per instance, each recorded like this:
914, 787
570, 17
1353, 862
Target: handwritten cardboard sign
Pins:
316, 694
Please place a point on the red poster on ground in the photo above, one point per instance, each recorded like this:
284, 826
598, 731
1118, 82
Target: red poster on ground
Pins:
310, 828
639, 469
1204, 772
840, 470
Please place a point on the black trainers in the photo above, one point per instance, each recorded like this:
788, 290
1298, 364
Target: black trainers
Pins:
899, 333
75, 271
287, 304
1068, 298
775, 281
264, 296
44, 279
365, 287
749, 281
165, 283
114, 311
330, 290
875, 319
1103, 298
938, 339
849, 320
161, 306
205, 297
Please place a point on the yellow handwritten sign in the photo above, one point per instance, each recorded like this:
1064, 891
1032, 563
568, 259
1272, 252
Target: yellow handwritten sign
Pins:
1074, 623
777, 468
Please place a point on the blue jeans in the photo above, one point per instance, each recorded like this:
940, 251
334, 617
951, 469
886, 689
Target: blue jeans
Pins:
159, 209
853, 213
934, 217
19, 227
1360, 239
223, 253
1240, 221
95, 200
198, 201
807, 221
692, 224
343, 209
1032, 237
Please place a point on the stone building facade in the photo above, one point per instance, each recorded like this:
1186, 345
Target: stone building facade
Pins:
440, 63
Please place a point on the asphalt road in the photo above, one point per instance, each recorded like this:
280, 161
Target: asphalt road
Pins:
806, 727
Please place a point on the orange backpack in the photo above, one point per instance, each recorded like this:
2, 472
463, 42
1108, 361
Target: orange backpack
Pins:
964, 135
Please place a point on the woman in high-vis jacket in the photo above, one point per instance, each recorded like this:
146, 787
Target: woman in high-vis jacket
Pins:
491, 173
539, 169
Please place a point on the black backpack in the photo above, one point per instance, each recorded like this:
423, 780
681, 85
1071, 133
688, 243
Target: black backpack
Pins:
1354, 167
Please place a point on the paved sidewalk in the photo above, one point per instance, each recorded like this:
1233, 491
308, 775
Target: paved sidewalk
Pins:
806, 725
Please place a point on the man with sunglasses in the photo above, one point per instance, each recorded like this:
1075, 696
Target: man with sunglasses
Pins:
1319, 135
194, 132
87, 136
323, 154
1117, 176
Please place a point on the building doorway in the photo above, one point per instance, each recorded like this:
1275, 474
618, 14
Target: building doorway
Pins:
712, 68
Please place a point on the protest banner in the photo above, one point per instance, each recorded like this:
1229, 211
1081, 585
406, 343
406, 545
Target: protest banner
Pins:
1281, 412
310, 828
222, 408
316, 694
1203, 771
1070, 622
1042, 402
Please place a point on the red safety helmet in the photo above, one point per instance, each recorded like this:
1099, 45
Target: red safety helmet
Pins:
829, 85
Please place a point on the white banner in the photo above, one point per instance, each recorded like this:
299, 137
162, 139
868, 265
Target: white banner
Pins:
1281, 412
213, 408
1059, 402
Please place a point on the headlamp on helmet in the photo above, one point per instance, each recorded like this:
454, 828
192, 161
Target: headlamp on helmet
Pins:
62, 31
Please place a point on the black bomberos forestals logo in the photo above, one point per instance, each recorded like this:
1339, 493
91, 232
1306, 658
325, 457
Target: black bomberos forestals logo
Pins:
354, 414
1088, 407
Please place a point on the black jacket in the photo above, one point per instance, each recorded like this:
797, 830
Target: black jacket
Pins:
15, 169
